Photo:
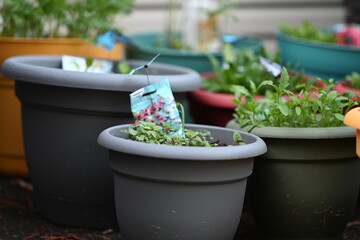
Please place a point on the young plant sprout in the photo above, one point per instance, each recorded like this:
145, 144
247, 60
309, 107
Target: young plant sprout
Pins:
317, 107
165, 133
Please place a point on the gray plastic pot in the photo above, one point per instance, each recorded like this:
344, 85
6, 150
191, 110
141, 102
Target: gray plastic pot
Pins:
174, 192
63, 113
306, 185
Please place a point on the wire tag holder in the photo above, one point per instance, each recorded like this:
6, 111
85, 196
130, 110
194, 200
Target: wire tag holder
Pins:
155, 102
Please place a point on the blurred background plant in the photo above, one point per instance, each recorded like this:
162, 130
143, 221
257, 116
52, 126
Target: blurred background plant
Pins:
244, 67
198, 28
60, 18
307, 30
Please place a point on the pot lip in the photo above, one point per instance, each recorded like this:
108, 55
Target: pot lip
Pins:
285, 37
181, 53
115, 143
33, 69
300, 133
220, 100
61, 40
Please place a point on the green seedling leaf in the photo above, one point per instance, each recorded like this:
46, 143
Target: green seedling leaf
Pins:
238, 138
284, 79
283, 109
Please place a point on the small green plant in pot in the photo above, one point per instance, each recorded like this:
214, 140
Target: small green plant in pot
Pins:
62, 18
187, 185
326, 53
213, 103
306, 185
245, 68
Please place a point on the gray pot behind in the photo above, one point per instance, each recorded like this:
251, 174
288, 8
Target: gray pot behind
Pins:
173, 192
63, 112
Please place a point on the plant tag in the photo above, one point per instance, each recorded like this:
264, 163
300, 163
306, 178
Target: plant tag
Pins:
156, 103
71, 63
271, 67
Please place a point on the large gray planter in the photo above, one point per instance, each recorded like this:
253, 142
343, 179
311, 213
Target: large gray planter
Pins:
63, 113
173, 192
306, 185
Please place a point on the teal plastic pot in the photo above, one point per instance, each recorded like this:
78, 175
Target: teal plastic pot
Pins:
324, 60
143, 48
306, 185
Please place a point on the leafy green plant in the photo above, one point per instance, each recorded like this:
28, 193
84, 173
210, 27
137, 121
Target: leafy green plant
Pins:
243, 67
172, 39
60, 18
164, 133
317, 107
307, 30
354, 80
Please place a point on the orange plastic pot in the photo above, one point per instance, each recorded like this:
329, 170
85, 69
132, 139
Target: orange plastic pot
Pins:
12, 161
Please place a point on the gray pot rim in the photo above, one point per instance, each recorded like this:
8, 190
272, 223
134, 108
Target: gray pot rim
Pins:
122, 144
299, 133
33, 69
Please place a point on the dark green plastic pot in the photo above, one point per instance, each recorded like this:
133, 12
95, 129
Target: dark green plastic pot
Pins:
63, 113
306, 185
324, 60
144, 49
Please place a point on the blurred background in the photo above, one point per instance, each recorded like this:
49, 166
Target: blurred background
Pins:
257, 18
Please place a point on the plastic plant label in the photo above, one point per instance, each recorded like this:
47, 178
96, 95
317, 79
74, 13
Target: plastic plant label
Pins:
156, 103
271, 67
71, 63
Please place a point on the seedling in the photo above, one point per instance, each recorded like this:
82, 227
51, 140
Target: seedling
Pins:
317, 107
244, 68
164, 133
308, 31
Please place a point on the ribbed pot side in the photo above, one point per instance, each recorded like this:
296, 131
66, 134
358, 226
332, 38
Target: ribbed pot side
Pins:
174, 192
306, 185
63, 112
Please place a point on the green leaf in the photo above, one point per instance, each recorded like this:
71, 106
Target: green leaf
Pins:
298, 110
284, 79
339, 116
238, 138
283, 109
229, 53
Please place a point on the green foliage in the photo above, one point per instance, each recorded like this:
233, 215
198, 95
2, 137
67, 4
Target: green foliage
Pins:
124, 67
245, 69
149, 132
49, 18
308, 31
172, 39
317, 107
354, 79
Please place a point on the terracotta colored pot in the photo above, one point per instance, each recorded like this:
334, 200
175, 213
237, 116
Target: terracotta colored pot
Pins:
212, 108
11, 143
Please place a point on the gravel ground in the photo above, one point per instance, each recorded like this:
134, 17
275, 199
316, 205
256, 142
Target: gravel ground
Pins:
20, 220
